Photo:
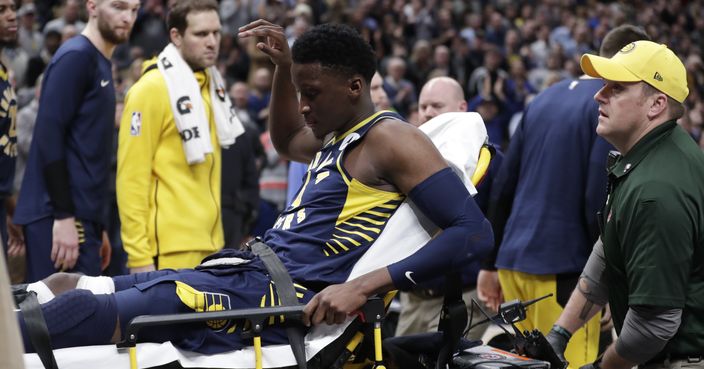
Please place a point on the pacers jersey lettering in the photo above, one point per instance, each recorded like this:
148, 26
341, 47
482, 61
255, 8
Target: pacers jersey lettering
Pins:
8, 134
334, 218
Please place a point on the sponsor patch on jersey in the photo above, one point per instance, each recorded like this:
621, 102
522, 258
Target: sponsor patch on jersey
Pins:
136, 124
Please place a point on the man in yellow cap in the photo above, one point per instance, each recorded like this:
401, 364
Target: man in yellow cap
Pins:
648, 267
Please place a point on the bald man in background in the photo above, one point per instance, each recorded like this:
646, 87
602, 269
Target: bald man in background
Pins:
420, 308
440, 95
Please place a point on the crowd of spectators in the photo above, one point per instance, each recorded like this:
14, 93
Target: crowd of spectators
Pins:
501, 52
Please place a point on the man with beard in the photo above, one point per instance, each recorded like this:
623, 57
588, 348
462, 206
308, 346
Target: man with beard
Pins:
176, 118
66, 181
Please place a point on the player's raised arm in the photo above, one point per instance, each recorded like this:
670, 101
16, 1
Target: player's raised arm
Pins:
289, 133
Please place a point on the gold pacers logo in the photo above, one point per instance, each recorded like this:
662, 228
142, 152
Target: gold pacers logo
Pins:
204, 301
8, 110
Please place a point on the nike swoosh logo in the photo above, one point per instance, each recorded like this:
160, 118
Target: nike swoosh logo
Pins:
408, 275
104, 83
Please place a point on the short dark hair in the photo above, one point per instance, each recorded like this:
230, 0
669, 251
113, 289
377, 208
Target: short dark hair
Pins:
53, 33
338, 47
181, 9
676, 108
619, 37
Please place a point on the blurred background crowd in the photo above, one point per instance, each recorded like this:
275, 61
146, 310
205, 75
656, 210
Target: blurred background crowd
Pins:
501, 52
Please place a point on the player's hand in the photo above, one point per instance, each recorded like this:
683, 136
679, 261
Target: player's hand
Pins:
15, 239
273, 40
64, 244
105, 252
143, 269
334, 304
489, 289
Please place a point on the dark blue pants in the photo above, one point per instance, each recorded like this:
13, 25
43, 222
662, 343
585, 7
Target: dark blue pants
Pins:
38, 236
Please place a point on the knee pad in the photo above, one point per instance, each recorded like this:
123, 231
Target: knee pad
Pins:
78, 317
68, 310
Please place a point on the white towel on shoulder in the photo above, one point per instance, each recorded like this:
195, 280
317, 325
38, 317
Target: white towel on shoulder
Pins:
189, 112
459, 137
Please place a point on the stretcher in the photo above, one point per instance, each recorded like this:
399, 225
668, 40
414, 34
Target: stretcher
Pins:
460, 137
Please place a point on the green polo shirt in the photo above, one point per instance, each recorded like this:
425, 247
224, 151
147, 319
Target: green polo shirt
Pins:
654, 232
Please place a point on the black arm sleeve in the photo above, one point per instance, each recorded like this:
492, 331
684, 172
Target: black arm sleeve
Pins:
466, 233
57, 185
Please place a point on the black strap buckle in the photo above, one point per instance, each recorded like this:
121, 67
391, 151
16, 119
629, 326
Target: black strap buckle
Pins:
247, 246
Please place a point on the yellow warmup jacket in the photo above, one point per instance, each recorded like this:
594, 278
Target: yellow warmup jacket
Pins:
165, 204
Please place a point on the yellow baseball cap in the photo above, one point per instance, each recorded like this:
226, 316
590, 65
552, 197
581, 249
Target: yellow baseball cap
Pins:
645, 61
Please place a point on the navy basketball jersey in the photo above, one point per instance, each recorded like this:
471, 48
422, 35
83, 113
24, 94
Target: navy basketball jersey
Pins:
334, 218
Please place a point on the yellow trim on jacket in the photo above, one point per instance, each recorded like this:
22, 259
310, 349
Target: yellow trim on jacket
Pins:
165, 205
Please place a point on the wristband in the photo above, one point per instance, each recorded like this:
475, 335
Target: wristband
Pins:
562, 331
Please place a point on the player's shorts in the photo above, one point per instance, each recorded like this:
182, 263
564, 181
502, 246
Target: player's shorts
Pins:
222, 287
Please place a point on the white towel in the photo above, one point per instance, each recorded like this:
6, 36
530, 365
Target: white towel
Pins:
189, 112
459, 137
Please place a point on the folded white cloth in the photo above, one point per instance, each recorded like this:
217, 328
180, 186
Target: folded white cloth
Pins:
189, 112
458, 137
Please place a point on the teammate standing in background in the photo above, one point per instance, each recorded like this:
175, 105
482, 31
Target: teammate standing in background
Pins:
169, 158
65, 186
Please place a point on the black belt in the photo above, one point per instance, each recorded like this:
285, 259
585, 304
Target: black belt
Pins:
287, 293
